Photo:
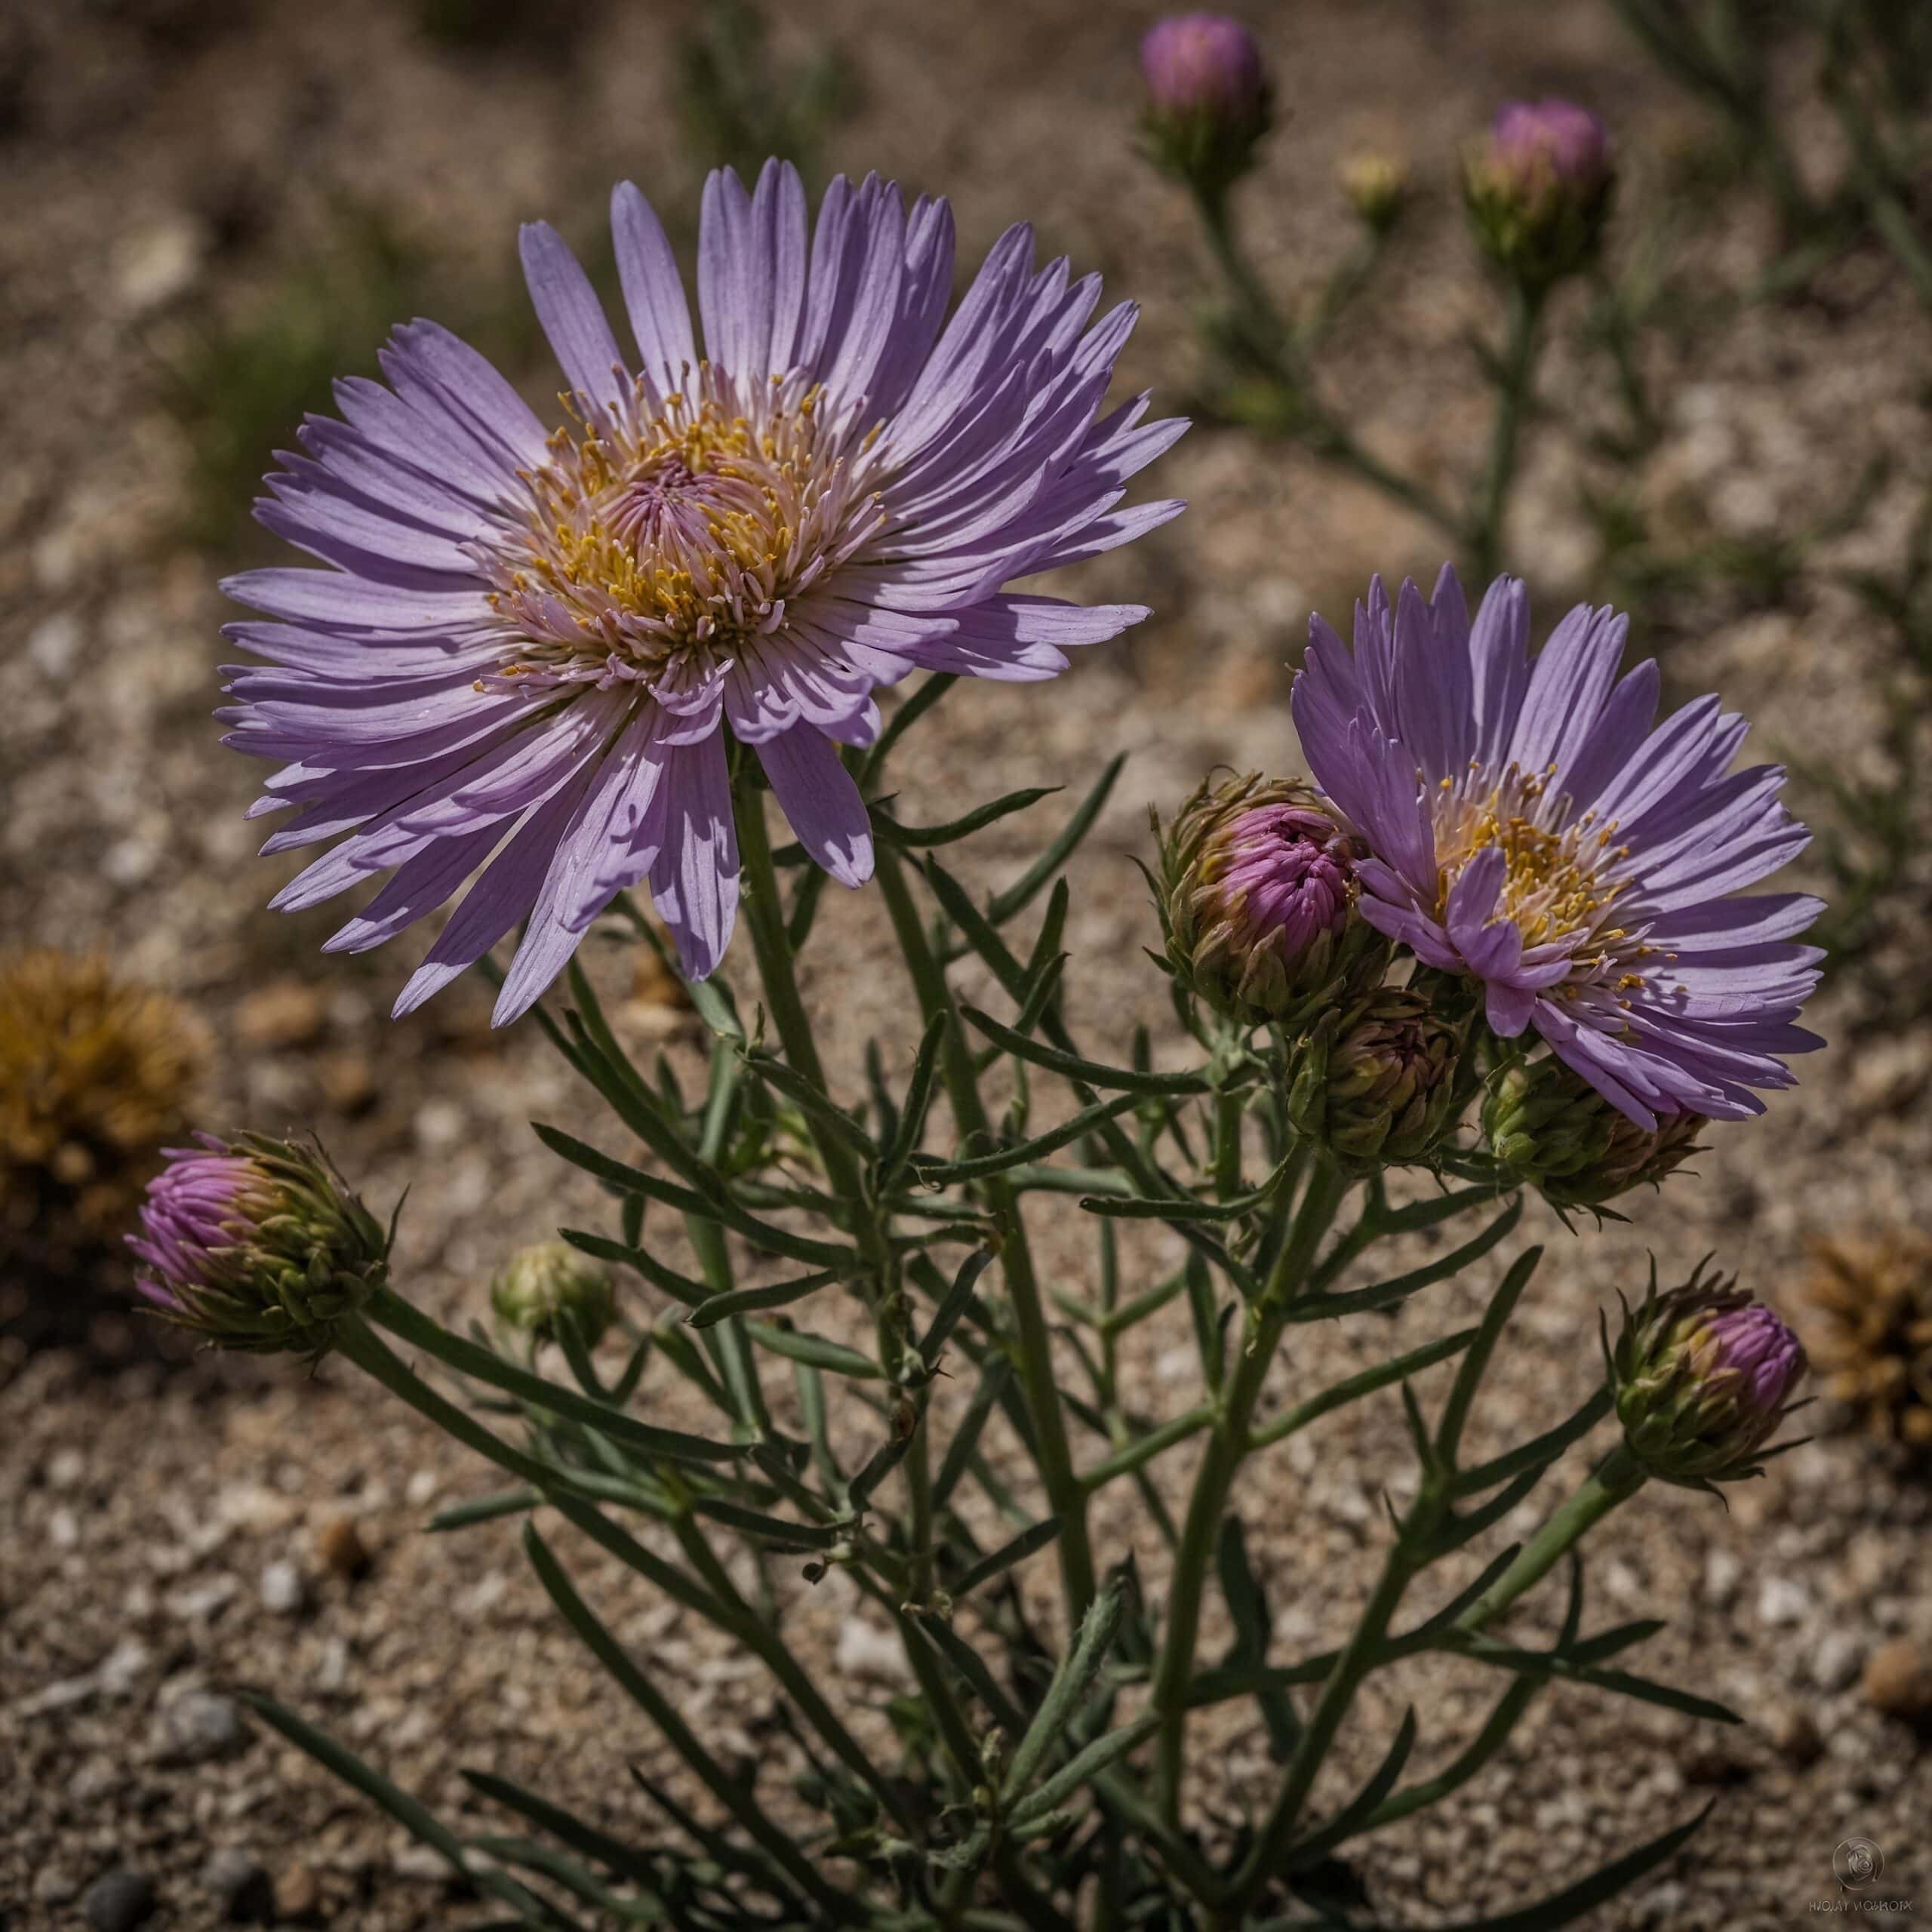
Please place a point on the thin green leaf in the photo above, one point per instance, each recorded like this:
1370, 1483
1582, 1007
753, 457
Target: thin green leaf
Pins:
921, 837
1385, 1294
471, 1359
1022, 891
747, 1301
1069, 1066
1354, 1816
1067, 1691
800, 1345
1082, 1768
1566, 1907
1028, 1542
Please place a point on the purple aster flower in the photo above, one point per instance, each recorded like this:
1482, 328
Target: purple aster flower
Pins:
530, 641
1532, 826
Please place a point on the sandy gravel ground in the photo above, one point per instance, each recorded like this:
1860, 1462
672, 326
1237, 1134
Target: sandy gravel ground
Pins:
171, 1530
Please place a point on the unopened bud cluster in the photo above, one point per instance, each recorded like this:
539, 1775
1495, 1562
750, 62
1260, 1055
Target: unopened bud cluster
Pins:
1702, 1377
257, 1245
1539, 189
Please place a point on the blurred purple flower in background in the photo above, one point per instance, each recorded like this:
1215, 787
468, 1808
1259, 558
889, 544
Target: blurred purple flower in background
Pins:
531, 642
1203, 63
1531, 829
1551, 140
1209, 101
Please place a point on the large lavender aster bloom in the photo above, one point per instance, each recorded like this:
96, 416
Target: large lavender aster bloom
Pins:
530, 642
1532, 825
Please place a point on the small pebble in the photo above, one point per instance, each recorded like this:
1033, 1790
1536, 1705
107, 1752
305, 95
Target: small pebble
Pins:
284, 1590
1835, 1663
298, 1894
199, 1726
53, 1886
1795, 1736
340, 1545
1898, 1681
287, 1012
241, 1882
118, 1900
867, 1651
1783, 1600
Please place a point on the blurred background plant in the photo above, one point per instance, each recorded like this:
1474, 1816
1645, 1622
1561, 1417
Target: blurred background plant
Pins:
1871, 1334
1867, 62
740, 100
97, 1076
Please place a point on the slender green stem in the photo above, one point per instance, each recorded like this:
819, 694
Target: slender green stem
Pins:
764, 913
1338, 1690
1229, 1111
1614, 1480
759, 1637
1262, 331
1065, 1496
1512, 397
1227, 1448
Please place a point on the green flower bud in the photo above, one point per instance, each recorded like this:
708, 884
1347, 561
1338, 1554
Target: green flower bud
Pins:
1377, 188
1259, 902
551, 1282
1377, 1087
258, 1244
1549, 1129
1701, 1376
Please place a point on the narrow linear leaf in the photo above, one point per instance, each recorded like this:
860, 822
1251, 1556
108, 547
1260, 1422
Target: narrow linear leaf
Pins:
1083, 1767
919, 836
1070, 1066
1027, 1543
1067, 1691
1566, 1907
1020, 894
471, 1359
1354, 1816
1399, 1287
746, 1301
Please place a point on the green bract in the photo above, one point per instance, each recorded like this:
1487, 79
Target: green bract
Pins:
1376, 1087
1549, 1129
